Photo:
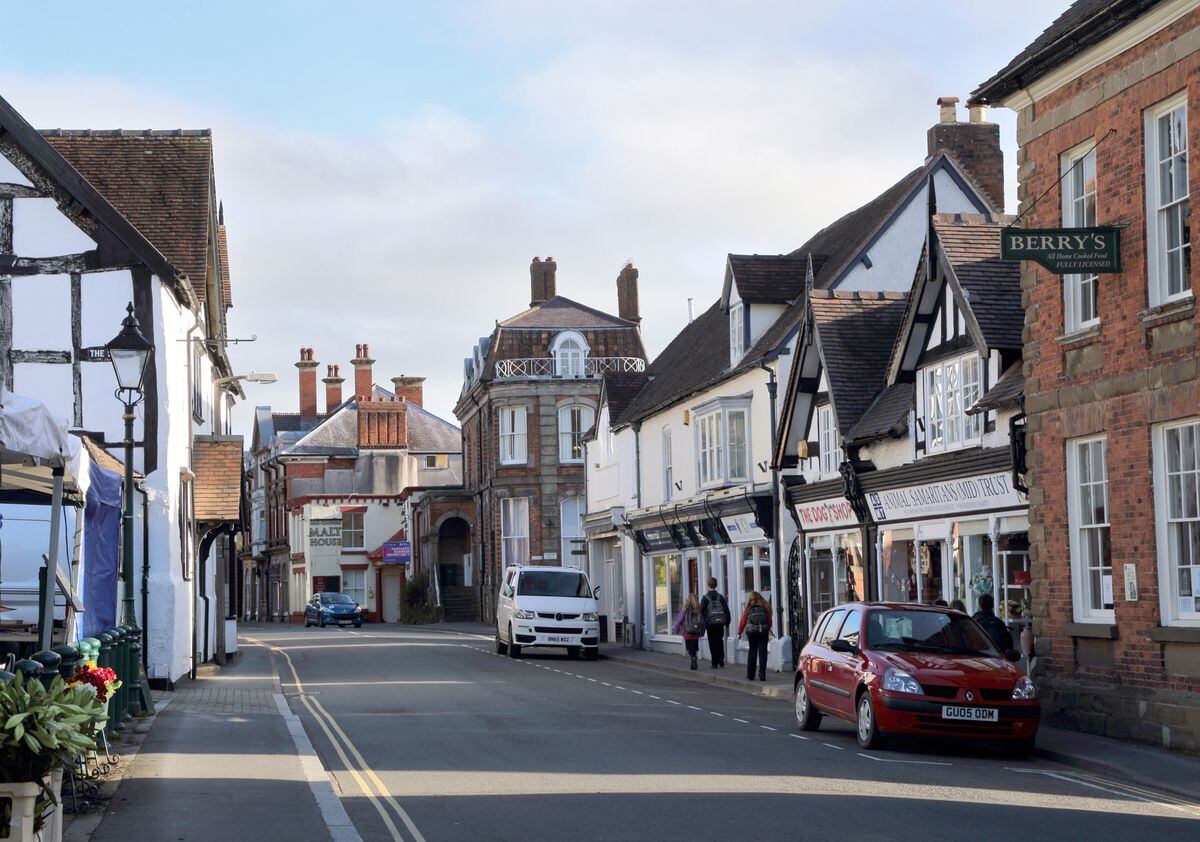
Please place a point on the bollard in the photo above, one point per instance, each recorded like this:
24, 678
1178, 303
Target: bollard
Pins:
90, 646
71, 657
104, 659
28, 668
50, 662
118, 664
127, 650
135, 670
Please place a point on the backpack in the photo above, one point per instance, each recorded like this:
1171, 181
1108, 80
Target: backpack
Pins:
693, 623
716, 611
757, 619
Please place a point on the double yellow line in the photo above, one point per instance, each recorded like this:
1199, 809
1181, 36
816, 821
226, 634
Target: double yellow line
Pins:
366, 779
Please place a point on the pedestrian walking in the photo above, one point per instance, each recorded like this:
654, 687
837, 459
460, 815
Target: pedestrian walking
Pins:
690, 623
756, 623
993, 625
717, 616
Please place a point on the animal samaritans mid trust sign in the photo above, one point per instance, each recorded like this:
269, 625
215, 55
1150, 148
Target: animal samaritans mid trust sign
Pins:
1064, 251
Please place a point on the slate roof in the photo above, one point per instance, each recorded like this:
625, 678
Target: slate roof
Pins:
1005, 393
992, 287
1083, 24
563, 313
337, 433
217, 464
856, 331
223, 253
620, 389
769, 278
428, 433
161, 181
886, 416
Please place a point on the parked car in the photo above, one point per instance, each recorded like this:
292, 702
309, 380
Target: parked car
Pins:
894, 668
332, 609
547, 606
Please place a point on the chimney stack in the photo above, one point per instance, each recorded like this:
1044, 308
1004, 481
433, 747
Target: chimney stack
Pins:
691, 310
409, 388
308, 383
542, 283
382, 423
333, 388
362, 371
974, 146
627, 293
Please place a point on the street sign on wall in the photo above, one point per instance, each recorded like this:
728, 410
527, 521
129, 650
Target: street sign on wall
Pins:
1064, 251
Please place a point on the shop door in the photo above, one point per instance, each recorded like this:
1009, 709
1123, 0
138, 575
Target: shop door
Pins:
390, 597
931, 572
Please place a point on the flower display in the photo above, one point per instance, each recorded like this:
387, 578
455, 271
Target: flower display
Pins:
100, 680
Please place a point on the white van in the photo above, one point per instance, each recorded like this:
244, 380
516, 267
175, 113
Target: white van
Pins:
547, 606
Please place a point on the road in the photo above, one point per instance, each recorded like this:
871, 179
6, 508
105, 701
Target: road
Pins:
431, 735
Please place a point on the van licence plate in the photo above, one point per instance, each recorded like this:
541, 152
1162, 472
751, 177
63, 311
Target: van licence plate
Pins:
971, 714
559, 639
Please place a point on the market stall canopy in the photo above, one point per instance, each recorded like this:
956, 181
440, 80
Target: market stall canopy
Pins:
33, 443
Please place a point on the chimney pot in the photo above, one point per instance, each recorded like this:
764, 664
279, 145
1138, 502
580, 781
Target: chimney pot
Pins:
974, 146
948, 109
363, 378
307, 369
977, 112
409, 389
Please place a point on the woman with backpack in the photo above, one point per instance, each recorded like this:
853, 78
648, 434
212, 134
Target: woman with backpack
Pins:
690, 623
756, 623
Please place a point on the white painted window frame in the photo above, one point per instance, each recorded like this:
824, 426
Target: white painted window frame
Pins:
951, 410
350, 531
712, 444
360, 588
514, 530
829, 446
570, 351
1074, 215
1156, 233
1080, 567
1164, 513
668, 461
737, 332
514, 437
571, 450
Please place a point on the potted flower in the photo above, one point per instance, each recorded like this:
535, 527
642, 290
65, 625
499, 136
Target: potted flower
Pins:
100, 682
42, 730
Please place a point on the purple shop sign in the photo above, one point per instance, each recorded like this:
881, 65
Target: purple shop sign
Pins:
397, 552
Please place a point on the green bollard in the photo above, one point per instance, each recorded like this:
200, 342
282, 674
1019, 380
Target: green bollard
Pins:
135, 670
118, 664
50, 662
128, 678
71, 657
90, 647
29, 669
104, 659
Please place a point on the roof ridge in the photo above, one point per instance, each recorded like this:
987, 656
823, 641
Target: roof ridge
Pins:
125, 132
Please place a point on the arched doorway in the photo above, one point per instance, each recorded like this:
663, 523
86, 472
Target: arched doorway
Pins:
455, 572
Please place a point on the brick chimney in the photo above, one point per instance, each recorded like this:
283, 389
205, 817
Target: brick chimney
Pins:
382, 424
362, 371
542, 284
975, 146
627, 293
333, 381
409, 388
308, 383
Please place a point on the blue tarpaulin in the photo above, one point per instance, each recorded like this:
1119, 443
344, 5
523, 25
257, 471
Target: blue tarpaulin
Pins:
101, 550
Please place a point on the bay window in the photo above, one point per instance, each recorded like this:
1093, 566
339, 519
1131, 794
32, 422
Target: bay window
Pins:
949, 389
739, 457
1087, 511
1177, 515
1168, 205
514, 530
668, 591
829, 442
573, 422
710, 437
723, 445
514, 446
1079, 211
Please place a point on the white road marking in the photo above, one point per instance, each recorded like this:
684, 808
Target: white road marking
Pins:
618, 686
639, 692
673, 702
743, 721
1182, 807
693, 707
592, 680
606, 684
913, 762
798, 736
714, 713
652, 696
831, 745
768, 728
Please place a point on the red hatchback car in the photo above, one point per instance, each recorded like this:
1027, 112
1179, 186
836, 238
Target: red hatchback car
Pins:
895, 668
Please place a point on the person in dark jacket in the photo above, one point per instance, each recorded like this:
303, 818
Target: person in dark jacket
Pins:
756, 623
690, 623
717, 618
993, 625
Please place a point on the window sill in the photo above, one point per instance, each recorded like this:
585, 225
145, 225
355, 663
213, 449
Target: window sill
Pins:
1096, 631
513, 464
1080, 338
353, 551
1177, 310
1174, 634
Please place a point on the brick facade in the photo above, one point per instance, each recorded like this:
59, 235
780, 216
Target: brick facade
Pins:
1138, 677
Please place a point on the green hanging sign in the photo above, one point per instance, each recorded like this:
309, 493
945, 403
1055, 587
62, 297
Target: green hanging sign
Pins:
1065, 251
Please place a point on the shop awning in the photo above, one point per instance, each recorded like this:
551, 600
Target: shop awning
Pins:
728, 516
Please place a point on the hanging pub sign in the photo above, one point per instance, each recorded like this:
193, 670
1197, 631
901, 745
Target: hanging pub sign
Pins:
1065, 251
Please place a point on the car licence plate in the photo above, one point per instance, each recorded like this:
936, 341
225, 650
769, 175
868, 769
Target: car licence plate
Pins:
971, 714
559, 639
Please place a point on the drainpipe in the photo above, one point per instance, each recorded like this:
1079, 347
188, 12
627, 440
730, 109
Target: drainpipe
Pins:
145, 577
772, 391
639, 579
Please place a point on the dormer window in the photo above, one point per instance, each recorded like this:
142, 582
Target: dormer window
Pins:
948, 389
737, 333
570, 351
829, 442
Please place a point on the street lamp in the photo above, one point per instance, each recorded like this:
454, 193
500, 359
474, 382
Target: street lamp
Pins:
130, 352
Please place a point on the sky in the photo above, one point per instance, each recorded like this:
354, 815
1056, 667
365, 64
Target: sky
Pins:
388, 169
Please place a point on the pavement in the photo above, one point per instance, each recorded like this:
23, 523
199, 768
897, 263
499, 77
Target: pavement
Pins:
427, 733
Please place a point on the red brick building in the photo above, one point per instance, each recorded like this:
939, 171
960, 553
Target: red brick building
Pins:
1112, 373
529, 396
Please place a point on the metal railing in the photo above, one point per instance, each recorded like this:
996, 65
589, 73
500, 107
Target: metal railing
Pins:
549, 367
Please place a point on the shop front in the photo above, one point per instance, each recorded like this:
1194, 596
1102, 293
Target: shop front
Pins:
605, 569
835, 567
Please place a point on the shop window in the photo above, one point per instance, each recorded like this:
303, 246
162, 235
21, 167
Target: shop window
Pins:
1091, 552
514, 447
829, 442
756, 571
948, 390
352, 531
514, 530
835, 570
354, 585
668, 591
1079, 211
573, 422
1168, 211
1177, 512
898, 582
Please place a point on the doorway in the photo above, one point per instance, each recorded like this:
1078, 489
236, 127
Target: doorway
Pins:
389, 593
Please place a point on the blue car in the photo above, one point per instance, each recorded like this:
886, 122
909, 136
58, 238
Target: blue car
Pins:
332, 609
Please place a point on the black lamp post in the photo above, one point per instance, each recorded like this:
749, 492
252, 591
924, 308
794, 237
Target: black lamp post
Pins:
130, 351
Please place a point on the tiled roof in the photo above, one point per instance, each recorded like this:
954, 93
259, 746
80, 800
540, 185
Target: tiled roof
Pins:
856, 331
621, 388
1005, 393
217, 464
769, 278
338, 433
992, 286
161, 181
886, 416
1083, 24
428, 433
223, 249
563, 313
105, 459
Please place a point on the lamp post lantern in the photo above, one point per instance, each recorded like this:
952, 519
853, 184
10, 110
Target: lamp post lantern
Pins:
130, 352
